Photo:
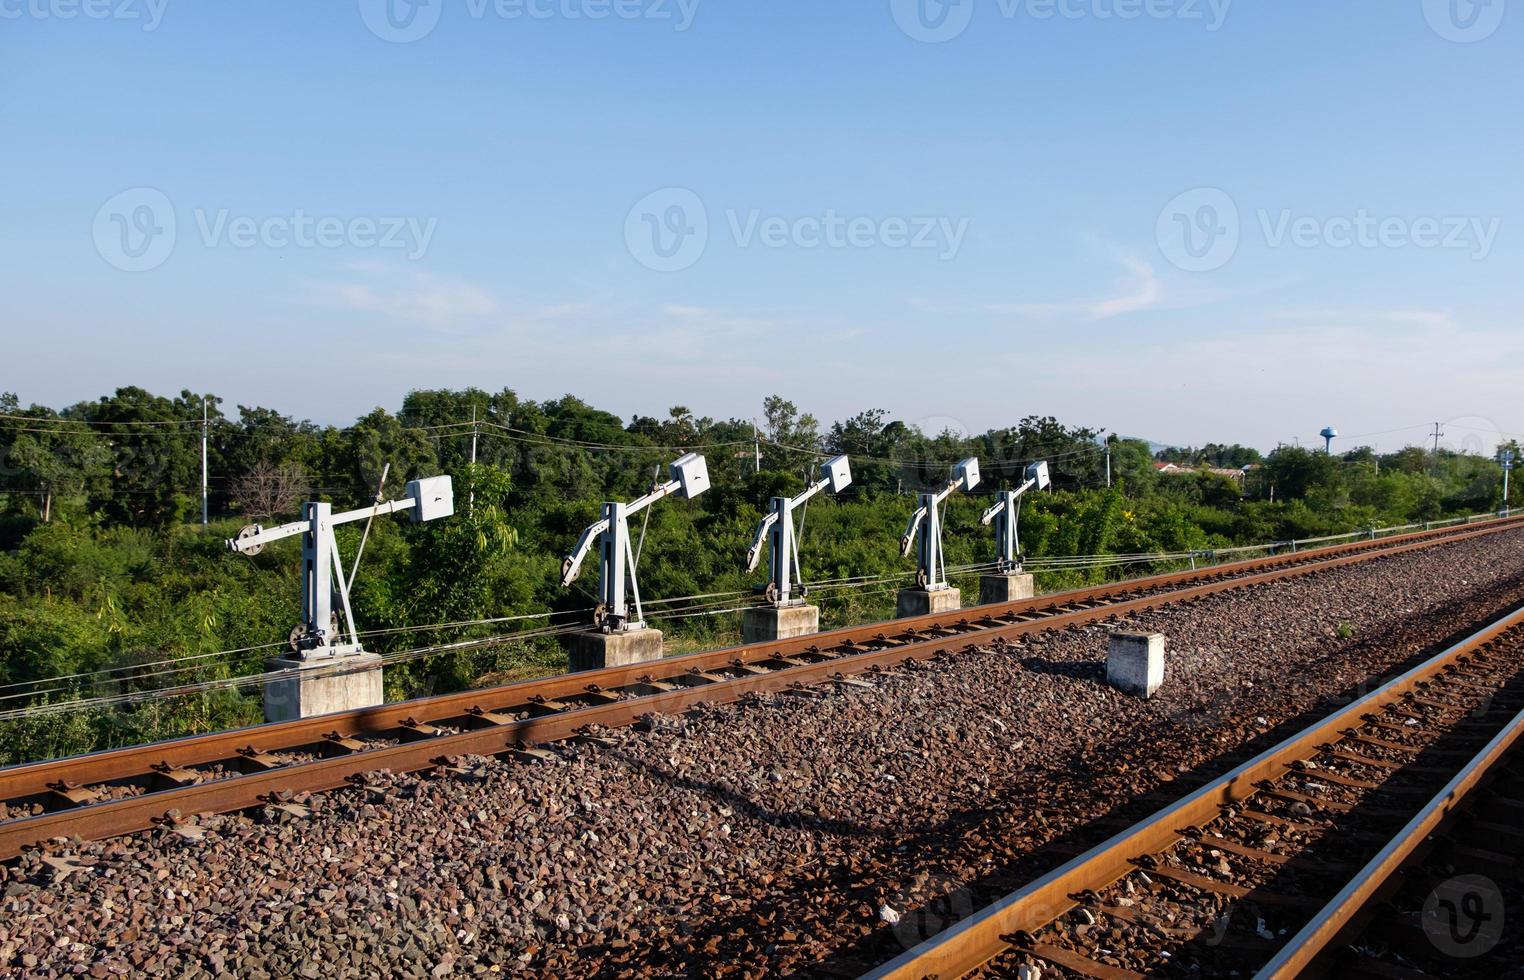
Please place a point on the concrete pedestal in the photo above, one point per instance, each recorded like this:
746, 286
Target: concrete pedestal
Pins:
764, 623
919, 602
1005, 588
593, 650
323, 685
1135, 663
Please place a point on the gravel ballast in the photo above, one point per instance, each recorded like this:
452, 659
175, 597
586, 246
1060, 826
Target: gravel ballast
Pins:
817, 831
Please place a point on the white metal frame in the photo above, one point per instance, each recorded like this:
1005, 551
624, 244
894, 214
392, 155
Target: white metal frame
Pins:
925, 528
689, 477
777, 529
1005, 515
323, 579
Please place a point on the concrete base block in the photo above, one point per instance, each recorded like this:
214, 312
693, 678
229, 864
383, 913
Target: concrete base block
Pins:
919, 602
324, 685
765, 623
593, 651
1005, 588
1135, 663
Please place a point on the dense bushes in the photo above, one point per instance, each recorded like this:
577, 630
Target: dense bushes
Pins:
100, 569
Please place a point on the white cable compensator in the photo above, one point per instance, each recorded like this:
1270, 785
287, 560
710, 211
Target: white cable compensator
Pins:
1004, 514
925, 529
777, 529
688, 477
324, 584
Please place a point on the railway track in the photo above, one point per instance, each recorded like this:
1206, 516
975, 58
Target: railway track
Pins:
1273, 868
1451, 911
122, 791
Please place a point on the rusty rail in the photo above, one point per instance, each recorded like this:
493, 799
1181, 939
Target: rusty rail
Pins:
1337, 920
499, 719
974, 941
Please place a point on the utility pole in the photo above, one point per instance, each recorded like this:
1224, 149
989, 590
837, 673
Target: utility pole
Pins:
1506, 458
471, 500
1108, 466
203, 460
1438, 431
756, 443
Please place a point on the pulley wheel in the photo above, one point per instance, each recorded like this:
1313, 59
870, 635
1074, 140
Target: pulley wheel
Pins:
247, 532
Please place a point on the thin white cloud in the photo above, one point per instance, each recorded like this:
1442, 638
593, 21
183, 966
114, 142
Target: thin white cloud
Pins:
1437, 319
1144, 287
416, 297
1376, 374
1138, 289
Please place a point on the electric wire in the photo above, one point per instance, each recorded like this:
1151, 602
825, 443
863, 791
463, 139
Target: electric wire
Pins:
722, 605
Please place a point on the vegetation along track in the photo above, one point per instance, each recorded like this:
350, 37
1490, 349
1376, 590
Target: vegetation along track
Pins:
1263, 870
111, 793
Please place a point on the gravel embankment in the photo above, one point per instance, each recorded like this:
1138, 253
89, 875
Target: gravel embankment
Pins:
820, 832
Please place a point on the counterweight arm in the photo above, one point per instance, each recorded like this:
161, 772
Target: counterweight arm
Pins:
908, 541
572, 565
755, 554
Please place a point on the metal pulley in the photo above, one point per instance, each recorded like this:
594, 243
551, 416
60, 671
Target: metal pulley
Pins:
249, 531
299, 638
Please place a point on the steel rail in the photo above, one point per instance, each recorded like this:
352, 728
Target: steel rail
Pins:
664, 686
1334, 920
974, 941
17, 782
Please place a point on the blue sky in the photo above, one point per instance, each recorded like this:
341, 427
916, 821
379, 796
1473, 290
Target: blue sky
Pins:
1207, 220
